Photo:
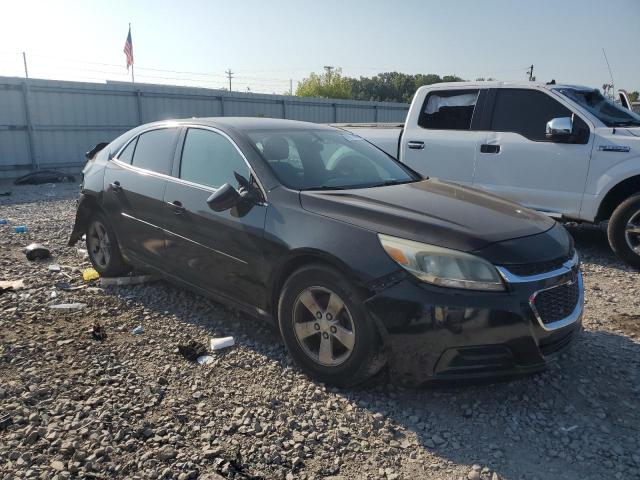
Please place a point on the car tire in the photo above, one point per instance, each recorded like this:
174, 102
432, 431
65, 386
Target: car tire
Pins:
103, 249
622, 224
343, 350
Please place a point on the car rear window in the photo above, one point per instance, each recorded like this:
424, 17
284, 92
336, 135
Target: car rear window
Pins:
155, 149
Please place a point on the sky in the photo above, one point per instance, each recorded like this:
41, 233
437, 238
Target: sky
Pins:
267, 43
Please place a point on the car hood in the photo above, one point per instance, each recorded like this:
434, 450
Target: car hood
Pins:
430, 211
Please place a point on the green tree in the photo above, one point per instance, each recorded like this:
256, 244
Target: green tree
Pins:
634, 96
393, 86
330, 84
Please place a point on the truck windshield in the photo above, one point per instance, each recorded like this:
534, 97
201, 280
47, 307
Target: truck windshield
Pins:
609, 113
318, 159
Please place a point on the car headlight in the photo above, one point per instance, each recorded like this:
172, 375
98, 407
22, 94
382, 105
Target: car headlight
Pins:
442, 266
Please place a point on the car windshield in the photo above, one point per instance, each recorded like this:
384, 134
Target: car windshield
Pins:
327, 160
609, 113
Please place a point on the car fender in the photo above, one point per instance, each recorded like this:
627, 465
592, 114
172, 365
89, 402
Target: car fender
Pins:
617, 174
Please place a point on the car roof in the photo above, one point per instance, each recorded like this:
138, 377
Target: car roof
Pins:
503, 84
245, 123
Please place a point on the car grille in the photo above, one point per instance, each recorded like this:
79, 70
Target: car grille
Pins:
527, 269
557, 303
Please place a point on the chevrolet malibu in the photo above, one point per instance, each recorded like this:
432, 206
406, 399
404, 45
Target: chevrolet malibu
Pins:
358, 260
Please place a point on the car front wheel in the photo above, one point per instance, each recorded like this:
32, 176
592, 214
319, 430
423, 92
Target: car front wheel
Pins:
103, 249
624, 231
326, 329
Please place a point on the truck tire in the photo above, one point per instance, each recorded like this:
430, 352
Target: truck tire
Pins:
624, 231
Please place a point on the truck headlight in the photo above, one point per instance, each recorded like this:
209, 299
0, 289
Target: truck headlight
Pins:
442, 266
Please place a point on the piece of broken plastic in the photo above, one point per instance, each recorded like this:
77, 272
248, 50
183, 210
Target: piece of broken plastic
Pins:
89, 274
20, 229
139, 330
54, 267
36, 251
69, 306
220, 343
11, 285
121, 281
205, 360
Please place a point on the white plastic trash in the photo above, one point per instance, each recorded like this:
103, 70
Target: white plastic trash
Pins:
69, 306
220, 343
205, 360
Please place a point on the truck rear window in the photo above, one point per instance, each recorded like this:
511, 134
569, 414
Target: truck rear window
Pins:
448, 110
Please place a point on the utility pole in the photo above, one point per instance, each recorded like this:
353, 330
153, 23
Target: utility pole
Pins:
24, 60
290, 86
530, 73
328, 68
229, 76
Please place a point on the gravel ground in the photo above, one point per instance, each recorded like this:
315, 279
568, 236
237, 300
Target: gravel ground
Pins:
131, 407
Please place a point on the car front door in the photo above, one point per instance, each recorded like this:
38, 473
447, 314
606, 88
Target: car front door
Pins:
443, 140
517, 161
134, 184
217, 251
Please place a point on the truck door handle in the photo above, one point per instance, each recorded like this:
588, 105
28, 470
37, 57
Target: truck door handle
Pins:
115, 186
415, 144
484, 148
177, 207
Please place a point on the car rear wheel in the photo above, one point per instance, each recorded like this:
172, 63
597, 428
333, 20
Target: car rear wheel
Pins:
326, 329
624, 231
103, 249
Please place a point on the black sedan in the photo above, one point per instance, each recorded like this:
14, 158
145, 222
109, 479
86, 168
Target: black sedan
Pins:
358, 260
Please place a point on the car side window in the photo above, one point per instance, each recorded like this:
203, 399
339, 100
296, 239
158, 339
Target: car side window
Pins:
448, 110
209, 158
525, 112
127, 154
155, 149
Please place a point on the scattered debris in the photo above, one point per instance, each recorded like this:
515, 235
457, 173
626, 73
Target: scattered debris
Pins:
121, 281
3, 221
192, 350
139, 330
82, 253
70, 288
68, 306
220, 343
89, 274
37, 251
5, 421
11, 285
569, 429
205, 360
98, 332
5, 194
20, 229
54, 267
44, 176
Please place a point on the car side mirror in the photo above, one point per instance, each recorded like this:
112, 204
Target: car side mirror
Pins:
559, 129
224, 198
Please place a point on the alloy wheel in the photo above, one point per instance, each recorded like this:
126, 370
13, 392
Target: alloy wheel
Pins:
632, 232
99, 244
323, 326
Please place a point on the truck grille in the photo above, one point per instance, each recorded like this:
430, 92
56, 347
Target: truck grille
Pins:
557, 303
527, 269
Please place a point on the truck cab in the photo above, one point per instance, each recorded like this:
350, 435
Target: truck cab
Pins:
564, 150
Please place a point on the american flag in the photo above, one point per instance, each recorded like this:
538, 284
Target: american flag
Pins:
128, 49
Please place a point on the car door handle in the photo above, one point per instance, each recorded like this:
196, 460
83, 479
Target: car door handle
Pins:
115, 186
177, 207
484, 148
415, 144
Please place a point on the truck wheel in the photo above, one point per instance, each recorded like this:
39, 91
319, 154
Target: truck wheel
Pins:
326, 329
624, 231
103, 248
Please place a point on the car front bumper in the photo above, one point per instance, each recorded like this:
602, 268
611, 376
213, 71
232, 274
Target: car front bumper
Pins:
433, 333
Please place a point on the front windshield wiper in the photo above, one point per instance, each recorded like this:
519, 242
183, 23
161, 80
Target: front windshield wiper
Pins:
387, 183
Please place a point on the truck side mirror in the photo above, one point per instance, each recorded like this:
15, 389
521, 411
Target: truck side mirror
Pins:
559, 129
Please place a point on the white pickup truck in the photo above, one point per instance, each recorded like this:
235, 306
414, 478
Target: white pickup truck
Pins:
564, 150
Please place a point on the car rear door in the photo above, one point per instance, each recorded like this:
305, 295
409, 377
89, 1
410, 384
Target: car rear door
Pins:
441, 138
515, 160
217, 251
134, 190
